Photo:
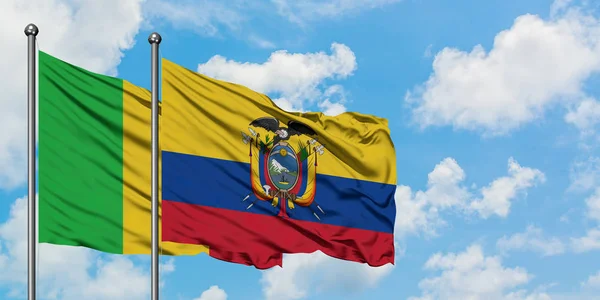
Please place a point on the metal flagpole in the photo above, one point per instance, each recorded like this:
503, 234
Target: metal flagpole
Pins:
154, 41
31, 31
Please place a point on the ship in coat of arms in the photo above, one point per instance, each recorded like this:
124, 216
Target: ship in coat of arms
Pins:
283, 164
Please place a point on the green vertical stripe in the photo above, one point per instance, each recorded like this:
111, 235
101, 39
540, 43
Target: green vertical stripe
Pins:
80, 157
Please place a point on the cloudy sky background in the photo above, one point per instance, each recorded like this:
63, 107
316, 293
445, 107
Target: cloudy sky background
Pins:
493, 108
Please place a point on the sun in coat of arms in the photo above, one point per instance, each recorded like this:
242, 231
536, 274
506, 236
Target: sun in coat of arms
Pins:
283, 164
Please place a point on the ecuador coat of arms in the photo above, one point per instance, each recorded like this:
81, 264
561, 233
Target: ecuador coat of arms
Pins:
283, 164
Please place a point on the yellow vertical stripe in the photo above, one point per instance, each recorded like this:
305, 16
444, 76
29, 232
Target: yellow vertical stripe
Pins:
136, 177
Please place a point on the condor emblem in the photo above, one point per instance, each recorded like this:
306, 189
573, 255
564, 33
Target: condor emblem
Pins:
283, 164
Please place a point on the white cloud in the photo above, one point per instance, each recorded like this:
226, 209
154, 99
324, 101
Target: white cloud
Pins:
261, 42
472, 275
498, 195
68, 272
331, 109
334, 101
585, 117
427, 53
213, 293
524, 295
91, 34
167, 267
593, 205
117, 278
235, 17
305, 274
208, 16
532, 239
585, 174
204, 16
297, 79
559, 6
593, 282
532, 66
420, 211
589, 242
302, 11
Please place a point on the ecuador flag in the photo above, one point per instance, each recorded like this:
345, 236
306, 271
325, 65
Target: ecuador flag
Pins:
94, 162
247, 178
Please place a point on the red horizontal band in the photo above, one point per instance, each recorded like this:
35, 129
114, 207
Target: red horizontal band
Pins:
259, 240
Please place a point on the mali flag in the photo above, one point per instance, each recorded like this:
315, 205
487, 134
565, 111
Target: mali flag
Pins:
94, 162
240, 174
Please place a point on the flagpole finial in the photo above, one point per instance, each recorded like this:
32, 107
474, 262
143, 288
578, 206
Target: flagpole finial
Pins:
31, 29
154, 38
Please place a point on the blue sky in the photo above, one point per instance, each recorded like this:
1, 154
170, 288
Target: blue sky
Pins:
492, 105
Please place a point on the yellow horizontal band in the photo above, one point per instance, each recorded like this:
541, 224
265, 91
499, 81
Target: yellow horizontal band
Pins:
208, 117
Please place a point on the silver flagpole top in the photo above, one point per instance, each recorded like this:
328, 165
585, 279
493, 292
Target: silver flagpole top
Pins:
31, 29
154, 38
